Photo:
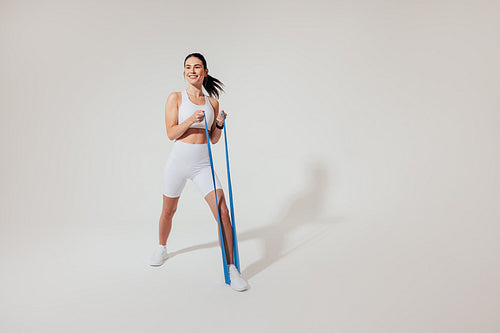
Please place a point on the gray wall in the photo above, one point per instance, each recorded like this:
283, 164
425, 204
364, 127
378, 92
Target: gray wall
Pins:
378, 118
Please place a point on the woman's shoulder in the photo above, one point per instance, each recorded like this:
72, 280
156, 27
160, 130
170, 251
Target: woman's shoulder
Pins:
175, 94
174, 99
213, 101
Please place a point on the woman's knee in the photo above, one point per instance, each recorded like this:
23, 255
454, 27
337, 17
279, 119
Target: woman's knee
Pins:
168, 212
169, 206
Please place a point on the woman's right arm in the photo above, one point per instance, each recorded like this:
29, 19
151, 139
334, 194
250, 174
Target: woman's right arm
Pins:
175, 130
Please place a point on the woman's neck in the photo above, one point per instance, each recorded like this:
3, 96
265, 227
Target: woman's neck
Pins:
194, 91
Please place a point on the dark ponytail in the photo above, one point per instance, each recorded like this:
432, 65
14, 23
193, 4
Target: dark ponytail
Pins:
212, 85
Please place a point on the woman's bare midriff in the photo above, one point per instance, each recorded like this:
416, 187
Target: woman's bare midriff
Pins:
194, 135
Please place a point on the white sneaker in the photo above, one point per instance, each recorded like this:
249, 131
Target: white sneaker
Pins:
237, 282
159, 257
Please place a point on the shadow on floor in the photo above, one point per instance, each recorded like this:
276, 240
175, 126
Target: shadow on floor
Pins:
303, 209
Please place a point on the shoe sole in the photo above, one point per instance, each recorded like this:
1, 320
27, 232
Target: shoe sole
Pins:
242, 289
156, 265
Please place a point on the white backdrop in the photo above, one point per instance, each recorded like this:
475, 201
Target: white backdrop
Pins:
363, 140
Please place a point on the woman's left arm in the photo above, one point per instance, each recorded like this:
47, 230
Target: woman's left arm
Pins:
215, 132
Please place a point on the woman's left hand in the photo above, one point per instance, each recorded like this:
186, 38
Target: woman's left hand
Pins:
220, 118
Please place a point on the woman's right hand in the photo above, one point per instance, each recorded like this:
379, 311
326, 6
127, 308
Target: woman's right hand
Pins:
197, 116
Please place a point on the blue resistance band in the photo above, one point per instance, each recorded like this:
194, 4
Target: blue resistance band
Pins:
233, 226
235, 241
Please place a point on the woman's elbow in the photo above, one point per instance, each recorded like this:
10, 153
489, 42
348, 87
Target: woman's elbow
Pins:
170, 136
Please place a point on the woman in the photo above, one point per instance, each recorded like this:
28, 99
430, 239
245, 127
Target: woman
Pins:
185, 123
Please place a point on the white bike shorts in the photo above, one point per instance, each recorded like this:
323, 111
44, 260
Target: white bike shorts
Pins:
187, 160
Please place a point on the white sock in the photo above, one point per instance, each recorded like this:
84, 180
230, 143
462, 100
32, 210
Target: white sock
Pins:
162, 246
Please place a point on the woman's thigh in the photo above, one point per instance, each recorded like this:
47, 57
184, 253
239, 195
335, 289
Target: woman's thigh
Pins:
204, 181
174, 178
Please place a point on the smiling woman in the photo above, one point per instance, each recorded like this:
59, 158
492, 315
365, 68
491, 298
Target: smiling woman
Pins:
195, 66
184, 113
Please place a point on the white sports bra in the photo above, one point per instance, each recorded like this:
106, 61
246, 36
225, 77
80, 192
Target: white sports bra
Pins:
187, 108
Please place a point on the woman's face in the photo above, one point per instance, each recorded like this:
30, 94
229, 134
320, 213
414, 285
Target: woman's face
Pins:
193, 70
